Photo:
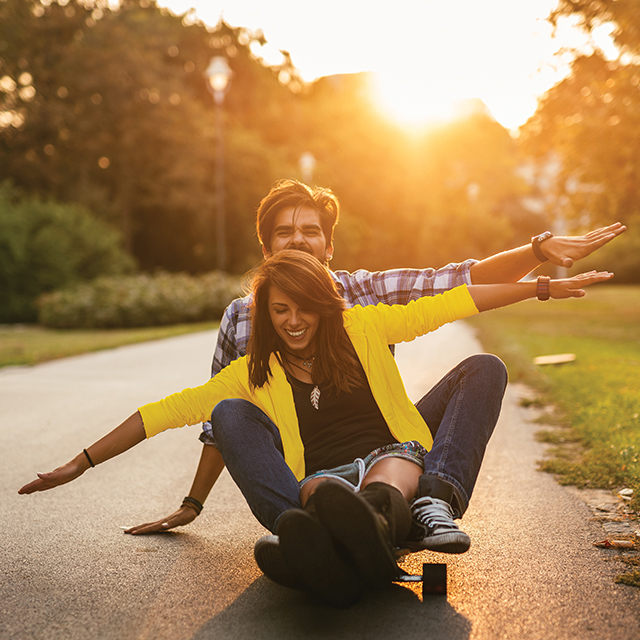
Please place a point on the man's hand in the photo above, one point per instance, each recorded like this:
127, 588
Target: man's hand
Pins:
61, 475
573, 287
563, 251
184, 515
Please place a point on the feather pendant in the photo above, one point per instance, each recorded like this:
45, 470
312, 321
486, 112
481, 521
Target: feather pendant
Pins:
315, 397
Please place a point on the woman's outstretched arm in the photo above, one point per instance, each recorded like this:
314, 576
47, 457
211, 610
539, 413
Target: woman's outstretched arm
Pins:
123, 437
493, 296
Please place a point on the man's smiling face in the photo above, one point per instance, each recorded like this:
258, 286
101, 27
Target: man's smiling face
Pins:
299, 228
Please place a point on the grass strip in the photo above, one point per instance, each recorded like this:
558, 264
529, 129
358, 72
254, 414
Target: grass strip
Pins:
32, 344
597, 397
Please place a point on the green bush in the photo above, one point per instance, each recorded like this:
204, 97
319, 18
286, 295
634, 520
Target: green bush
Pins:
47, 245
140, 301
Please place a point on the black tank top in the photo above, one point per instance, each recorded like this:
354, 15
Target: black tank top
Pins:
345, 426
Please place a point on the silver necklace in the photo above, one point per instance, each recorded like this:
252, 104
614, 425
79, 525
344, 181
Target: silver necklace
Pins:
314, 397
306, 362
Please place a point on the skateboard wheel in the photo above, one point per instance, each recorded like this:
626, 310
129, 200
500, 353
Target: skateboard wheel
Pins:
434, 580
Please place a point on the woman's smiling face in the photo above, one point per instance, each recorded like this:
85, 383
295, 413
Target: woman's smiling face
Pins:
296, 328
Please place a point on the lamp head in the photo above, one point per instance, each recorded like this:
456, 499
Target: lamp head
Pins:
218, 74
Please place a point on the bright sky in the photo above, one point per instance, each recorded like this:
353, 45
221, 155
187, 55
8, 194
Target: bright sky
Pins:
427, 55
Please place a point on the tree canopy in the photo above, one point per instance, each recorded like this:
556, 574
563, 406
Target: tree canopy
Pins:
588, 124
624, 15
45, 246
110, 109
591, 120
107, 106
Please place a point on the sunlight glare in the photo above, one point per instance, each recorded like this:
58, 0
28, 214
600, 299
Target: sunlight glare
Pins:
413, 104
429, 56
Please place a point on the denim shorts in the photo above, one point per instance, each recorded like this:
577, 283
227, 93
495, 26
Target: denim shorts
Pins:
353, 473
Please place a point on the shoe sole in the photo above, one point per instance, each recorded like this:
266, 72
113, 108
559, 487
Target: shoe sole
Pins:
444, 543
269, 559
354, 523
307, 548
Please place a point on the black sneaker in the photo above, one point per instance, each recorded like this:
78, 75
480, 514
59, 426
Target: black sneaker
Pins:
364, 533
308, 549
269, 558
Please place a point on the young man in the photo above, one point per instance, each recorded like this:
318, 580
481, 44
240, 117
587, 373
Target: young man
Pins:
294, 216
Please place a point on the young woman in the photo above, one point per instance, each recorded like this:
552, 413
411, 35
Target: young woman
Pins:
325, 376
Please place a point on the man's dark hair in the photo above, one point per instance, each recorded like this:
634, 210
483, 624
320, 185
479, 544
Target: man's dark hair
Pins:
292, 193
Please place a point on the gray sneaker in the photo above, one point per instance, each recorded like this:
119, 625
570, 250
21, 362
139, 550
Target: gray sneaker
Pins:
441, 533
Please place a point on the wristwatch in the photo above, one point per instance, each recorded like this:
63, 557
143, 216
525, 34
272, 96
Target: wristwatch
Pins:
535, 245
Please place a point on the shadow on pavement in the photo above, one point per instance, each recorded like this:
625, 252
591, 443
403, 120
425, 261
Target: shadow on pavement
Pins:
265, 610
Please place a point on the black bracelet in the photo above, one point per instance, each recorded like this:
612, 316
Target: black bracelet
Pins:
86, 453
196, 505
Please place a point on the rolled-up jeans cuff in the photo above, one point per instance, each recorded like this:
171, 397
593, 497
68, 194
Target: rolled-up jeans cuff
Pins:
460, 498
351, 474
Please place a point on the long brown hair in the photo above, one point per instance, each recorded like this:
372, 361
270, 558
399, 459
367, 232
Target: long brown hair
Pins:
308, 283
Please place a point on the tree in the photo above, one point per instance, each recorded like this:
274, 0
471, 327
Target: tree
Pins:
472, 190
623, 14
45, 245
423, 199
591, 120
586, 129
107, 106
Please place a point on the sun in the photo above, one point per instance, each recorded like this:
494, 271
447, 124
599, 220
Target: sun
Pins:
415, 103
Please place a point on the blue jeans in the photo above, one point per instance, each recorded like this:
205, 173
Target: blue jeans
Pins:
461, 411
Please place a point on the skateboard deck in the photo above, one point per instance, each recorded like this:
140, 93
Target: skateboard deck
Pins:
559, 358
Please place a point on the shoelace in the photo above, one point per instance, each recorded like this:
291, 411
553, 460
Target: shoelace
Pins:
433, 513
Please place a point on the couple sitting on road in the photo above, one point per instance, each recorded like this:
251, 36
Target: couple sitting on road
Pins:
314, 424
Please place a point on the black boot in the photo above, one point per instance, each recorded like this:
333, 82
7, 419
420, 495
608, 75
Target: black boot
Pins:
392, 506
369, 524
268, 556
309, 550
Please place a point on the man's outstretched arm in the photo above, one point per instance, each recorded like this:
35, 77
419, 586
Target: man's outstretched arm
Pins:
563, 251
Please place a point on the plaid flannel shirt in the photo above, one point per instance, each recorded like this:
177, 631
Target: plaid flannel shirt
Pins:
397, 286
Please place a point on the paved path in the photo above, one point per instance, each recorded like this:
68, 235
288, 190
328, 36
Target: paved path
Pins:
69, 573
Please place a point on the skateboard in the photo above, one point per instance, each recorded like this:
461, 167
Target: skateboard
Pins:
433, 578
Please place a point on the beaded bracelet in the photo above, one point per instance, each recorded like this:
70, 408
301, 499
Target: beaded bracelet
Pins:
542, 290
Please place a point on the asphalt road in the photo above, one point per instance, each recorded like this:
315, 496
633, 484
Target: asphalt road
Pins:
68, 571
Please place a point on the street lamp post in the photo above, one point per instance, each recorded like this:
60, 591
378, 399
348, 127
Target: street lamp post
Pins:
218, 75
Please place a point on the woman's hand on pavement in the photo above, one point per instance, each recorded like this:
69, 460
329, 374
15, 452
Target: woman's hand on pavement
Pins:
184, 515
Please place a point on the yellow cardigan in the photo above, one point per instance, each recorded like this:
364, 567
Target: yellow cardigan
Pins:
371, 329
